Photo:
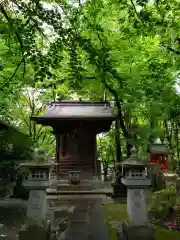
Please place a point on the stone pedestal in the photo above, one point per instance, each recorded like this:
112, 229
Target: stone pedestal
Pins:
138, 227
136, 207
37, 206
136, 182
148, 195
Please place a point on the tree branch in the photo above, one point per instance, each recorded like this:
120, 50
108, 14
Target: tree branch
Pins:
18, 66
39, 132
3, 11
135, 10
174, 50
23, 117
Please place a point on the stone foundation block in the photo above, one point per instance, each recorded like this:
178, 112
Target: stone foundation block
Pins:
35, 232
130, 232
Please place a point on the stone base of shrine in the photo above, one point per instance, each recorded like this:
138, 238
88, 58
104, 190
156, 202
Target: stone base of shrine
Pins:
130, 232
86, 187
79, 187
79, 209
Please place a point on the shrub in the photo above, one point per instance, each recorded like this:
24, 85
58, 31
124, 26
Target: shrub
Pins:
14, 148
161, 203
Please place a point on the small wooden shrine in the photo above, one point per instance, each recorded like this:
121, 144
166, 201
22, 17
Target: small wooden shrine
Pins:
159, 170
75, 124
158, 154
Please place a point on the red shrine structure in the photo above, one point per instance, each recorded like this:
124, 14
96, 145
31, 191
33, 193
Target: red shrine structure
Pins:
158, 154
75, 125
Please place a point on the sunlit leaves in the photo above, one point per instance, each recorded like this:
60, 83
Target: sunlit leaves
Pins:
118, 47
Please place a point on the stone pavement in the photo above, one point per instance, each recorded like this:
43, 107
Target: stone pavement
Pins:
87, 221
98, 229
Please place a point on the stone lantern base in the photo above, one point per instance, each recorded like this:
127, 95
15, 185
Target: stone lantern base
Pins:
130, 232
35, 232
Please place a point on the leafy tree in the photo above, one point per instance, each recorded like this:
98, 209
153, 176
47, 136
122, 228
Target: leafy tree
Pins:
28, 105
124, 51
106, 150
14, 148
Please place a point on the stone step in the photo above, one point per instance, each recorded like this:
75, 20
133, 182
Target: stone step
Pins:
65, 165
67, 187
83, 181
75, 162
74, 166
75, 158
80, 192
67, 170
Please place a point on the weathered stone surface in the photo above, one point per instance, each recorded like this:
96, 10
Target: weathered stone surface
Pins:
37, 205
78, 222
136, 206
80, 187
148, 195
97, 226
35, 232
86, 222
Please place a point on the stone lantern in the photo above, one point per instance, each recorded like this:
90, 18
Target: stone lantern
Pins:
36, 181
136, 181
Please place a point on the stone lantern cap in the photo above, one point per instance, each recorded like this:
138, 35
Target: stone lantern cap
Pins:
133, 160
36, 165
33, 165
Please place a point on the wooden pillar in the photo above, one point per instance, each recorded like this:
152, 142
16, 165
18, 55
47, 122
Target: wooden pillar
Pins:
62, 145
57, 154
95, 157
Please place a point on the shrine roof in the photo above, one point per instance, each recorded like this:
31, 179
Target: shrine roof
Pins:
78, 110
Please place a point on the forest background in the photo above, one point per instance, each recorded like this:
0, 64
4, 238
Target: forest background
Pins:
124, 51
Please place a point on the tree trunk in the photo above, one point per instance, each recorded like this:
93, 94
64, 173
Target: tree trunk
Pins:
168, 134
177, 140
152, 125
120, 116
124, 130
118, 141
